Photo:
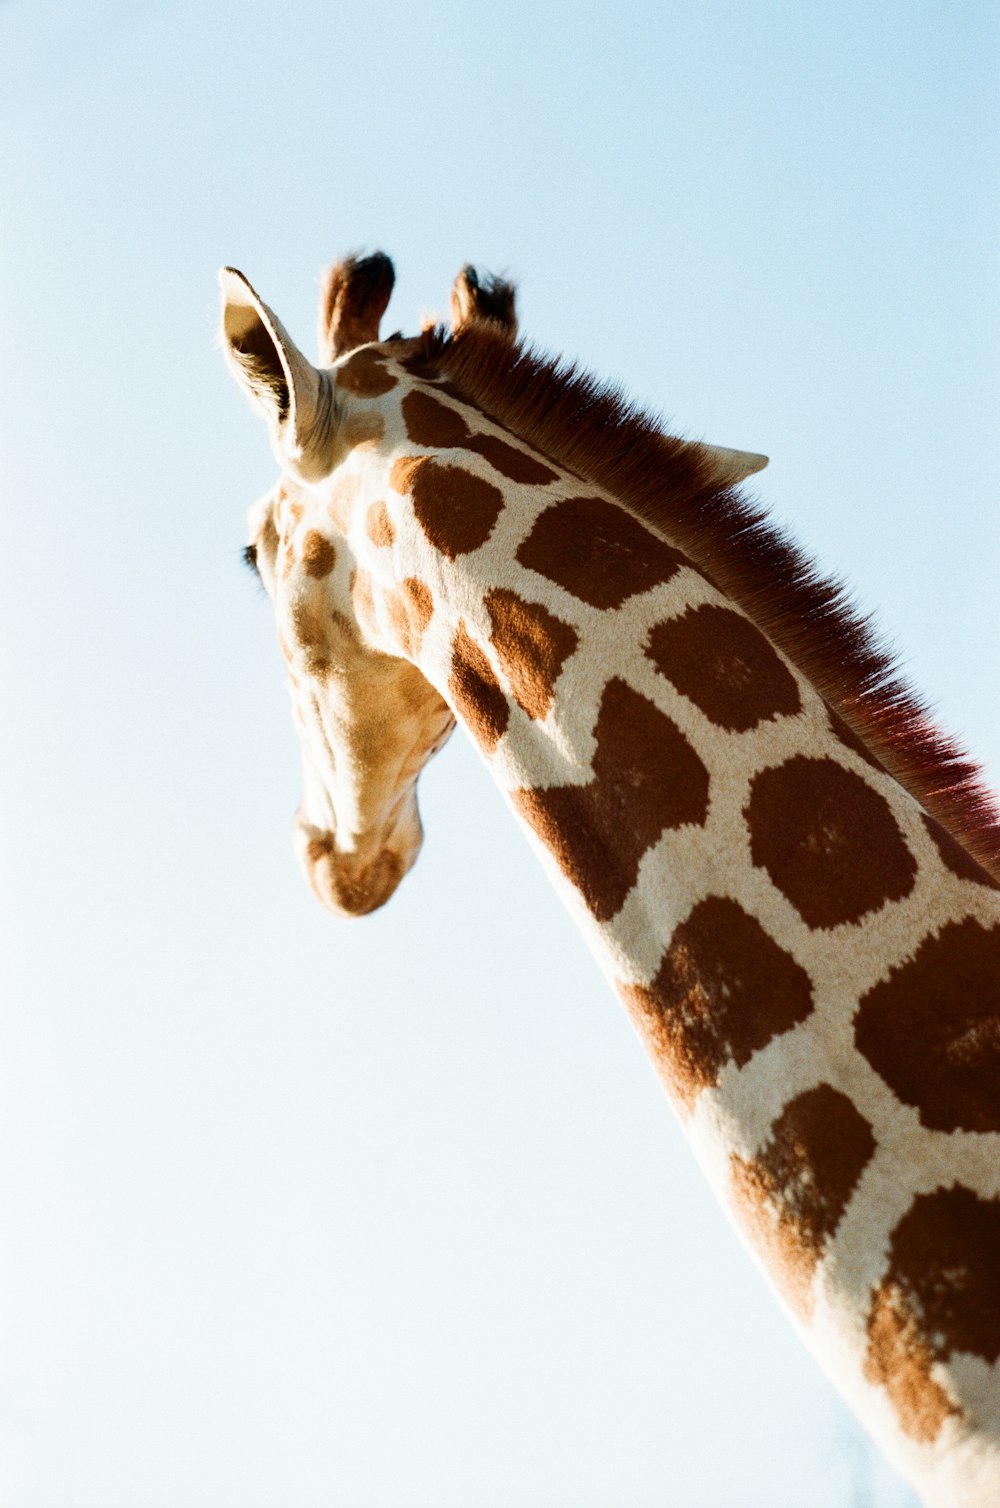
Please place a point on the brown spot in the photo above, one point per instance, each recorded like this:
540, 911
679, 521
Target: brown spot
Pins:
318, 555
940, 1294
310, 635
847, 736
399, 619
379, 526
647, 778
433, 423
900, 1360
827, 840
793, 1194
421, 601
420, 364
955, 857
365, 373
476, 692
532, 645
724, 990
597, 551
719, 661
363, 429
932, 1029
410, 611
456, 510
404, 472
268, 537
443, 385
515, 464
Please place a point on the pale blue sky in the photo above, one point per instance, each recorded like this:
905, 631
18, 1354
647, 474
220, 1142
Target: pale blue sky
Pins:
394, 1213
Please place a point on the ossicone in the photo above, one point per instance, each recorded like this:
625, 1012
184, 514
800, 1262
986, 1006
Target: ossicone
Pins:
481, 296
353, 298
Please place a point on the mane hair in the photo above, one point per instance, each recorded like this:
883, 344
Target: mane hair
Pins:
593, 431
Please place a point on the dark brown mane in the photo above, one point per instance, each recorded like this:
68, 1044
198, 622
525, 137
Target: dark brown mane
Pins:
594, 432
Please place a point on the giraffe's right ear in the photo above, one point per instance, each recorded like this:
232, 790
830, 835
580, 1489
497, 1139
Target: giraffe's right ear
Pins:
287, 389
732, 466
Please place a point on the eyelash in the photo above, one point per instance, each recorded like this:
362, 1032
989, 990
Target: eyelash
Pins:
250, 558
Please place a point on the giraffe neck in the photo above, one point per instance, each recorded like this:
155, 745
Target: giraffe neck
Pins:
812, 962
629, 709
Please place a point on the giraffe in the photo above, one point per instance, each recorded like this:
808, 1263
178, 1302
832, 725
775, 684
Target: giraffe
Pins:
789, 877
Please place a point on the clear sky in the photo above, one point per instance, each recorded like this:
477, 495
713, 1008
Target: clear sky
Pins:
299, 1214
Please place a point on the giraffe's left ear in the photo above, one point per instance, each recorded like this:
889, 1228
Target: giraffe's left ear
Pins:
732, 466
292, 395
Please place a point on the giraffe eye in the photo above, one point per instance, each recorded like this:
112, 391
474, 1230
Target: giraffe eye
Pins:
250, 557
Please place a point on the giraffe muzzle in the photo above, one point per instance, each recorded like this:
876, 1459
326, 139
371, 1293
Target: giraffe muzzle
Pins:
355, 882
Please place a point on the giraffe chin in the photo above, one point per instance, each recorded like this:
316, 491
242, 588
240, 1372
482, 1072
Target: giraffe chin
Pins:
353, 883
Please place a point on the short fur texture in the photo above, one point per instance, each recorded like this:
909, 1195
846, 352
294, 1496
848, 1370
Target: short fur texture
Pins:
594, 432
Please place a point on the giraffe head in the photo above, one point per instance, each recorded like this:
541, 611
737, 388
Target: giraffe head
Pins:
368, 718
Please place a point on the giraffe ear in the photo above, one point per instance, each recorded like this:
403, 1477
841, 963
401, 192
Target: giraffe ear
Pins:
733, 466
270, 368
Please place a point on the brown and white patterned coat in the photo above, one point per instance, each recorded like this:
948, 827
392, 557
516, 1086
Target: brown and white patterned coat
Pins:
786, 874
